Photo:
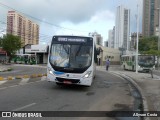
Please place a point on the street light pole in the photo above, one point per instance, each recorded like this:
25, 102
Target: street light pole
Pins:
158, 38
137, 17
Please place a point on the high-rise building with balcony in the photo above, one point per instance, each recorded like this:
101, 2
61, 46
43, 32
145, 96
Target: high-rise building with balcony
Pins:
21, 26
122, 28
150, 17
111, 34
97, 37
134, 40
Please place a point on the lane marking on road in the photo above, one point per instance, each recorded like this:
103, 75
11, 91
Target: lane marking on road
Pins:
24, 81
28, 83
26, 106
2, 82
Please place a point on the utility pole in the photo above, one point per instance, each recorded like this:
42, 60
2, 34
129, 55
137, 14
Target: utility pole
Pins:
158, 38
137, 18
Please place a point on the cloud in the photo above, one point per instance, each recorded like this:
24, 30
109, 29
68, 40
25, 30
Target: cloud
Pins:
75, 11
101, 21
85, 15
56, 11
103, 16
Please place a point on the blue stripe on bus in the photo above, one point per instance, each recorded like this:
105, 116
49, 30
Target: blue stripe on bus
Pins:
58, 73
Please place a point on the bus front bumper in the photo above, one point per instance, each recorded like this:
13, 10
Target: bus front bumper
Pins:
87, 81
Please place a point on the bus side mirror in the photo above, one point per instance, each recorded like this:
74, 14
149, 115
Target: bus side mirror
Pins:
99, 50
47, 49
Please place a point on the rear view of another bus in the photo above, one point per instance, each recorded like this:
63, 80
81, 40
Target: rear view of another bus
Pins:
146, 62
71, 60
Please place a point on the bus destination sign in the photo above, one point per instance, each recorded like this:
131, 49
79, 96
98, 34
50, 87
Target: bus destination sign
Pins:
66, 39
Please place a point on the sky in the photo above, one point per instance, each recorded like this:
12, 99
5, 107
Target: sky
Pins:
70, 17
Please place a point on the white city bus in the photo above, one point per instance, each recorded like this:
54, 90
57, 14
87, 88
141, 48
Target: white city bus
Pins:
145, 62
72, 60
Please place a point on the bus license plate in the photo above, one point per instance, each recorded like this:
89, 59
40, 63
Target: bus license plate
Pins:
67, 82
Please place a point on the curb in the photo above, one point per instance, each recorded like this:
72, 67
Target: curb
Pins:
22, 76
1, 78
145, 105
9, 78
30, 65
5, 70
144, 100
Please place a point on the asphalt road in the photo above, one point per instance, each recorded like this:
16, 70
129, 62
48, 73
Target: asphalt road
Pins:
107, 93
24, 70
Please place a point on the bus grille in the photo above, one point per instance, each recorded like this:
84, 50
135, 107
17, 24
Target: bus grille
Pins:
65, 79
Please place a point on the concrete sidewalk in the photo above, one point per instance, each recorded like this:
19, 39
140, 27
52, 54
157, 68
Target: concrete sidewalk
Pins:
8, 67
9, 70
5, 67
150, 87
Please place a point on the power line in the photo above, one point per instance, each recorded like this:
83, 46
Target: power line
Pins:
8, 7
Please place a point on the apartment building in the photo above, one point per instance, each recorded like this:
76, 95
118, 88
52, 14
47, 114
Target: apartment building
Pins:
150, 17
134, 40
98, 38
111, 37
23, 27
122, 28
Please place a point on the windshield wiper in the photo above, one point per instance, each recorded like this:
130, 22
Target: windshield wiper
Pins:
78, 50
66, 50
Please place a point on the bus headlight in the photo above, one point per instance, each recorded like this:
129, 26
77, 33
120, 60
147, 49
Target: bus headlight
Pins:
50, 71
87, 74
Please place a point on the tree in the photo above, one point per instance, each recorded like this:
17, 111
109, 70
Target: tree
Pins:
0, 42
149, 45
10, 43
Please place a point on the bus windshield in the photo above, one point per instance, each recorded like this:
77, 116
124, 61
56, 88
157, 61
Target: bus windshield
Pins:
146, 60
71, 55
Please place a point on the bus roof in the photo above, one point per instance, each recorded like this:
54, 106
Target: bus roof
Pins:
72, 36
